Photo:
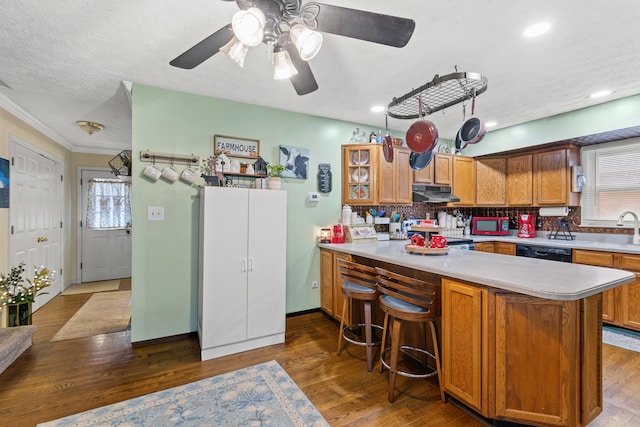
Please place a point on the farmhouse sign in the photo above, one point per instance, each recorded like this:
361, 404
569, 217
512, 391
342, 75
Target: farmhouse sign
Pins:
236, 147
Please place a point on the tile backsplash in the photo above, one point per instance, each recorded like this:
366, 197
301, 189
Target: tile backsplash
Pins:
424, 210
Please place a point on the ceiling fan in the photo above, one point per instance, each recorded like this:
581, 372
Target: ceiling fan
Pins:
293, 32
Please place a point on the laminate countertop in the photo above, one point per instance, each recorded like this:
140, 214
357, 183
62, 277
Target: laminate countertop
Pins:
593, 242
535, 277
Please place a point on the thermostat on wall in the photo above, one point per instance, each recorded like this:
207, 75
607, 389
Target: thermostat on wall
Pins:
313, 196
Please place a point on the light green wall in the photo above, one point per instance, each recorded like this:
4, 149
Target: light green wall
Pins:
165, 254
619, 114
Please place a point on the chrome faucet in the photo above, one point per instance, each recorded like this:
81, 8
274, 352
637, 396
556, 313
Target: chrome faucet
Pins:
636, 232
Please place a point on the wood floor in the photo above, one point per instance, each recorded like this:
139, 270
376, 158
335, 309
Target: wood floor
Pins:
52, 380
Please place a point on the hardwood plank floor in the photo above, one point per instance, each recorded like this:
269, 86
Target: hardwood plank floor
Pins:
52, 380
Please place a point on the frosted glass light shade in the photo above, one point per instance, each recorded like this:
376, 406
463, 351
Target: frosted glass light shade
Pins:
248, 26
282, 66
307, 41
235, 50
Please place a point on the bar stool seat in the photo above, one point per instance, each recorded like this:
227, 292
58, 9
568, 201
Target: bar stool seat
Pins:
359, 283
405, 299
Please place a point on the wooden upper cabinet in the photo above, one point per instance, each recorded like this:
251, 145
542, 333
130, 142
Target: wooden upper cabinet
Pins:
552, 178
463, 184
425, 175
491, 181
439, 171
396, 178
520, 180
359, 174
369, 180
442, 169
403, 176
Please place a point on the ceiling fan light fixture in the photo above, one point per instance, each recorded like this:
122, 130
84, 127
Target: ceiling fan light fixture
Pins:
90, 127
306, 40
248, 26
283, 67
235, 50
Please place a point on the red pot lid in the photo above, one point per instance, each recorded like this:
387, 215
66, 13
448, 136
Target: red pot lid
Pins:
422, 136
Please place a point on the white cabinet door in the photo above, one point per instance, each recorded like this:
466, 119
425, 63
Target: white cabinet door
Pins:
224, 265
266, 301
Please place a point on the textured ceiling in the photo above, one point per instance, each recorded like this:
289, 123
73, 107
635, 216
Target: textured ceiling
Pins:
64, 60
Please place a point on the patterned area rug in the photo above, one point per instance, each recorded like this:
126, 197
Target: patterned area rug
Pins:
621, 338
259, 395
103, 313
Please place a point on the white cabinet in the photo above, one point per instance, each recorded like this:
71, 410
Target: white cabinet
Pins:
242, 274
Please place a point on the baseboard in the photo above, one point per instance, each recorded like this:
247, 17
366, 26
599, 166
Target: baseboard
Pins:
162, 340
303, 312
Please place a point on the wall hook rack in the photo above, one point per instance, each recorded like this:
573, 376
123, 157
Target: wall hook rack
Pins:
153, 156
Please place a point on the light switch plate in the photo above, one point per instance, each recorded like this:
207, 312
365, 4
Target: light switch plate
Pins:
313, 196
155, 213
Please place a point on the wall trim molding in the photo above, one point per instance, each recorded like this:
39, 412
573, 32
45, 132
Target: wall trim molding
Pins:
23, 115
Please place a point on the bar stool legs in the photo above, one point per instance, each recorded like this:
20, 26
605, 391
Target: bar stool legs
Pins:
393, 365
359, 284
396, 333
367, 331
406, 299
436, 353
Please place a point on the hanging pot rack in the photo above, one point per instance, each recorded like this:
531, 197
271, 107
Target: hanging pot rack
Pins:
440, 93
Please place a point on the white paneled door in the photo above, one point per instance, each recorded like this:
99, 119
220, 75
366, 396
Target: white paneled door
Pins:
35, 200
106, 244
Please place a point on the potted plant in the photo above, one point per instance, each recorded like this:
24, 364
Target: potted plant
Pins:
274, 172
208, 169
17, 294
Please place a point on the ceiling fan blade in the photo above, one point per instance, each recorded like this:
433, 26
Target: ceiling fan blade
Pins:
304, 82
205, 49
358, 24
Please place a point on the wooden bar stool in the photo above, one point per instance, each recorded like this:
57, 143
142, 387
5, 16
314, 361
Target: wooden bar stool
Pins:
405, 299
359, 283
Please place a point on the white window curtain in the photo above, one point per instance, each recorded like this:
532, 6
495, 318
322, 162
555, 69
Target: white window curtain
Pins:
109, 204
612, 182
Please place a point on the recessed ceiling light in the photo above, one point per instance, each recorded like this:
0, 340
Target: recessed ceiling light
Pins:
600, 94
490, 124
377, 108
536, 30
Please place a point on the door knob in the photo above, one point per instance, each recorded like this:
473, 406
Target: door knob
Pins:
42, 239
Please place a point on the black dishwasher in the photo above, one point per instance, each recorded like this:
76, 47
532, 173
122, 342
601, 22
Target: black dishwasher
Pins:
544, 252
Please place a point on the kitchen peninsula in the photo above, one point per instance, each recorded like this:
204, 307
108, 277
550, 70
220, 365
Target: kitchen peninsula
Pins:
521, 338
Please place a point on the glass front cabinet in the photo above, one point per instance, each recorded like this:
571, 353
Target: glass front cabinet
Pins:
359, 174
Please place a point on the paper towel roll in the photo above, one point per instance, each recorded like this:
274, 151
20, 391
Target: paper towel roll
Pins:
555, 211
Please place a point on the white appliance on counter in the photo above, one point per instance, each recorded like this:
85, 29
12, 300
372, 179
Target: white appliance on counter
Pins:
242, 272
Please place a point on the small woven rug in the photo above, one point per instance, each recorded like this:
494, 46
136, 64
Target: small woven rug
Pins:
621, 338
103, 313
260, 395
92, 287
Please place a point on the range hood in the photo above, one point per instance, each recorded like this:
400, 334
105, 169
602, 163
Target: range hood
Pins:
433, 194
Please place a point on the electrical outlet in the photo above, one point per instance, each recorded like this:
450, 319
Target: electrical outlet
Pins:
155, 213
314, 284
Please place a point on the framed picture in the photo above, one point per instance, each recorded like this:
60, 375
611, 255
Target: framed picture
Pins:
295, 160
236, 147
4, 183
